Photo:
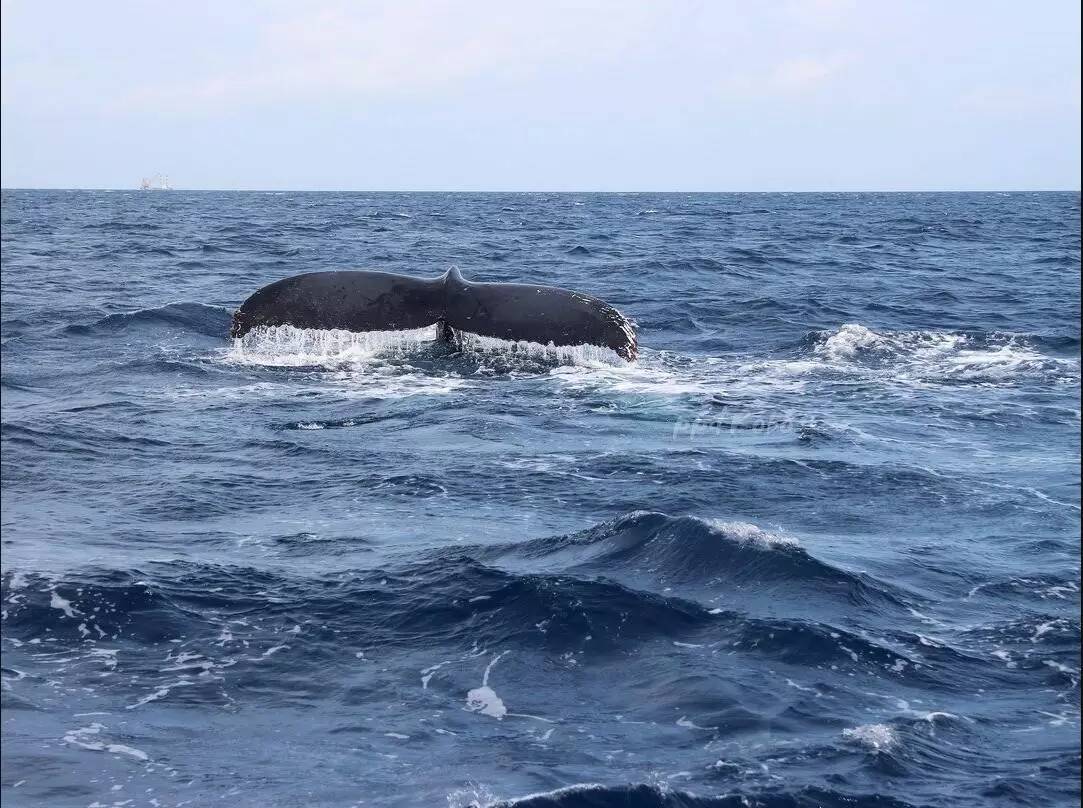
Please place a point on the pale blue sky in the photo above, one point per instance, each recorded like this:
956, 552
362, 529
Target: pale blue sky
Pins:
551, 95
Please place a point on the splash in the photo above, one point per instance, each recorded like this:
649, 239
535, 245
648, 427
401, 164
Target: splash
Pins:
287, 346
475, 345
877, 737
852, 341
935, 356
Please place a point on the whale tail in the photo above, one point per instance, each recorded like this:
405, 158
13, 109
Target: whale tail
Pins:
381, 301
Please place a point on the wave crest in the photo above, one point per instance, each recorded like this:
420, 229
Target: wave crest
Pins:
199, 318
737, 558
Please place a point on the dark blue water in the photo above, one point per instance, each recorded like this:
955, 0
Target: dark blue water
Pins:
818, 546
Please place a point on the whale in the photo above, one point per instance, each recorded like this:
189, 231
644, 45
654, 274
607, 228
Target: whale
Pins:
364, 300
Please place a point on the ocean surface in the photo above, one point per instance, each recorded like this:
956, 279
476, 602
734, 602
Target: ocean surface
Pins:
819, 545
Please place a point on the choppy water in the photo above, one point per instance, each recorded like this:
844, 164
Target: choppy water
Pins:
819, 546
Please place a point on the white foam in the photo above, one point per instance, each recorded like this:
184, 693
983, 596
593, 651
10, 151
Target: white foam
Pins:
687, 723
1059, 719
904, 358
848, 340
86, 737
287, 346
429, 672
554, 796
1059, 666
746, 533
108, 656
930, 356
63, 604
878, 737
484, 699
160, 693
472, 797
935, 714
802, 688
851, 340
648, 376
1044, 628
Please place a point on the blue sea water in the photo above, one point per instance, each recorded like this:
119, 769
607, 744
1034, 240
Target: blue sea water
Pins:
818, 546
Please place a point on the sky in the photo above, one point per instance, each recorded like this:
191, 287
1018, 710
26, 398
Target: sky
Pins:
613, 95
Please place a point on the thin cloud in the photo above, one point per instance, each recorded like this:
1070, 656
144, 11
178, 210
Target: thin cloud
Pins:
407, 49
808, 72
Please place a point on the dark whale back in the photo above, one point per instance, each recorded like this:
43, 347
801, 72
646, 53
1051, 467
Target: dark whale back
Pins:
352, 301
382, 301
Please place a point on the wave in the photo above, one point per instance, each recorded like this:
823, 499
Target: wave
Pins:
210, 248
124, 227
436, 602
1032, 633
1034, 586
452, 601
728, 557
643, 795
198, 318
445, 601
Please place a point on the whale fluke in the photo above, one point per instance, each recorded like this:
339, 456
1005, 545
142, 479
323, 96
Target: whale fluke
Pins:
381, 301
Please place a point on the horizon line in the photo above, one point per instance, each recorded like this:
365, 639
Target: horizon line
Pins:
551, 191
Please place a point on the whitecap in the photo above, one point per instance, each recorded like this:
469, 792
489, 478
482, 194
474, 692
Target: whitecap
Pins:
934, 356
746, 533
877, 737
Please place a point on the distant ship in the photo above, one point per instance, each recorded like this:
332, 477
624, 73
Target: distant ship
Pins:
159, 182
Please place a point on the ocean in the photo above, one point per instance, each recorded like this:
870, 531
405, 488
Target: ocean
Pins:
818, 546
